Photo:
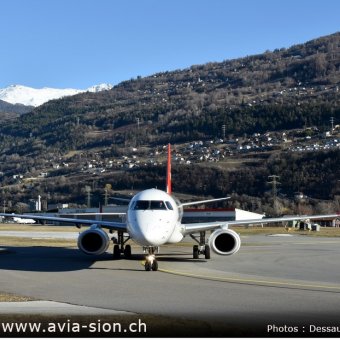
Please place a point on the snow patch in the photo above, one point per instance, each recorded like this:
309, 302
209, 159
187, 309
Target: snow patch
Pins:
19, 94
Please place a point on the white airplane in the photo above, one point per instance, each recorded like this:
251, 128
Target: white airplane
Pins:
154, 218
23, 220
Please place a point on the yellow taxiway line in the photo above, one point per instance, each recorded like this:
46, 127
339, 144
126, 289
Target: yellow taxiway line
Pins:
254, 281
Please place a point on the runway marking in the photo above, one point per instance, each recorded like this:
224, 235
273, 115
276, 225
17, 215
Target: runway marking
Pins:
253, 281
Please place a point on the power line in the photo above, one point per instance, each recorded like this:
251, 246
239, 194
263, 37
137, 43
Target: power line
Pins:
88, 192
274, 184
223, 131
332, 122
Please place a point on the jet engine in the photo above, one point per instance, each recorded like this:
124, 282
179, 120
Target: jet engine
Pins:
93, 241
224, 242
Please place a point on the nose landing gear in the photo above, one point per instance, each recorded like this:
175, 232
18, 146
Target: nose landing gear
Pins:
150, 260
151, 263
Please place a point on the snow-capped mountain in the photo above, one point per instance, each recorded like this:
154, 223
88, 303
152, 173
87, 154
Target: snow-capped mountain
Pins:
19, 94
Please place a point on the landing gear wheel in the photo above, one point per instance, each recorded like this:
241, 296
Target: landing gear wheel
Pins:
207, 252
195, 252
127, 251
147, 266
154, 266
151, 263
116, 251
150, 259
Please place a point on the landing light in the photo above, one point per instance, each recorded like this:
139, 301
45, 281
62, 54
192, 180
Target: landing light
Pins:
150, 258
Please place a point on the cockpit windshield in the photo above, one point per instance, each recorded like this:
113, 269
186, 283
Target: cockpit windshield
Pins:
142, 205
149, 205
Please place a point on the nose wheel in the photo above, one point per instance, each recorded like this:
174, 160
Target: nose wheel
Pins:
151, 263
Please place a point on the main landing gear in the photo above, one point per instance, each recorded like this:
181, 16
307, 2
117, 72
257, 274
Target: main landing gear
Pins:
120, 247
201, 248
150, 260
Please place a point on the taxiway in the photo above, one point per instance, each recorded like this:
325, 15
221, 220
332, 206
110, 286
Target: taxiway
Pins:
278, 279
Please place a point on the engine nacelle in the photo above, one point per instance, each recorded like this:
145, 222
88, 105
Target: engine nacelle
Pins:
93, 241
225, 242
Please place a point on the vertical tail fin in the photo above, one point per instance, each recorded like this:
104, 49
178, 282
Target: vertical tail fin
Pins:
168, 172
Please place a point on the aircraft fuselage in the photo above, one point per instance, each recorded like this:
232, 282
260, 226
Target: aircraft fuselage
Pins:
154, 218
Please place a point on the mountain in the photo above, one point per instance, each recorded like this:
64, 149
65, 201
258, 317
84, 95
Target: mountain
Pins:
28, 96
283, 89
288, 88
13, 109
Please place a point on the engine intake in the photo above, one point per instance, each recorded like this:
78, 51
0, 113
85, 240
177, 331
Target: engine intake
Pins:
225, 242
93, 241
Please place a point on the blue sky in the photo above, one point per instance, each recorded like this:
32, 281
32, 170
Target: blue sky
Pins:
80, 43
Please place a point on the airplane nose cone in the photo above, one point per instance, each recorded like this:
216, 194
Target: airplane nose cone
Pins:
149, 229
154, 236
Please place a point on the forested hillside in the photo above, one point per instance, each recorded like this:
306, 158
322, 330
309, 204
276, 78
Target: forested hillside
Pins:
10, 111
286, 88
278, 90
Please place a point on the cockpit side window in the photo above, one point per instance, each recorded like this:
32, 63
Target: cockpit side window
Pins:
168, 205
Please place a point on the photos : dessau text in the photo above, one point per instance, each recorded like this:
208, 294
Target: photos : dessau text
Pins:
304, 329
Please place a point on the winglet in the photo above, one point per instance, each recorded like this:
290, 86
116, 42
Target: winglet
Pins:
168, 172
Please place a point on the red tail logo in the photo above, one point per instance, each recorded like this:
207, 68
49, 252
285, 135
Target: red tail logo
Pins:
168, 172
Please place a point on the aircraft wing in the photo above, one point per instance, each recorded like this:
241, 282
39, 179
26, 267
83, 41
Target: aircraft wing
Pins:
104, 224
191, 228
204, 201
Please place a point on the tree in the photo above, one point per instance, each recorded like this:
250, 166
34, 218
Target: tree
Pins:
21, 208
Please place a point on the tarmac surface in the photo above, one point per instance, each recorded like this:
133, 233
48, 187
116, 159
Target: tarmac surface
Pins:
285, 281
54, 308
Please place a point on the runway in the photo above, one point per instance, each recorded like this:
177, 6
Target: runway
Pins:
272, 280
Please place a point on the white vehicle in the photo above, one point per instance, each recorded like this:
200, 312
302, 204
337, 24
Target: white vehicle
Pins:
153, 219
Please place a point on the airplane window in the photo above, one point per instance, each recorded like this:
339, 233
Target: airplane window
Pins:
152, 205
157, 205
169, 206
141, 205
